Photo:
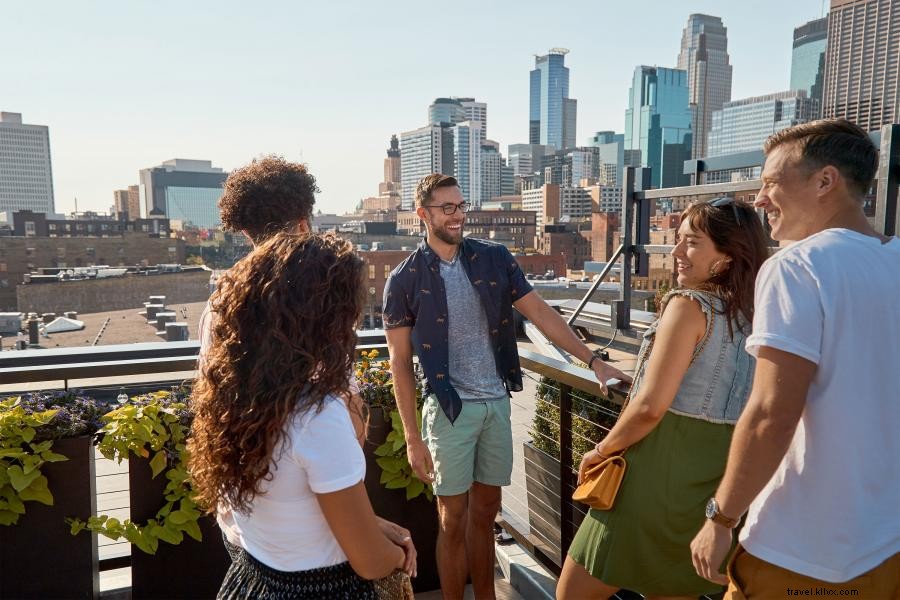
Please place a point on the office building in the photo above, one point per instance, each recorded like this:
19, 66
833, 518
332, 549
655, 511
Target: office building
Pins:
525, 159
426, 150
611, 155
552, 114
491, 176
26, 176
862, 79
476, 111
552, 202
605, 198
743, 125
127, 203
704, 56
446, 110
184, 190
658, 124
569, 168
808, 58
467, 160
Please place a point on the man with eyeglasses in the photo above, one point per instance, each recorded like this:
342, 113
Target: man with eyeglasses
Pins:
451, 303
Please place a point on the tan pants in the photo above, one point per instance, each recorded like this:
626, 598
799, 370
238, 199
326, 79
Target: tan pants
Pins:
751, 578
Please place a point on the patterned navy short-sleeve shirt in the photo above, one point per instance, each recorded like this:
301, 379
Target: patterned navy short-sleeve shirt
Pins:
414, 296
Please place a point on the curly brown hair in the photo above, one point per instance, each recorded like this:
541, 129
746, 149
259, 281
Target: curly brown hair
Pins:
266, 195
283, 338
735, 230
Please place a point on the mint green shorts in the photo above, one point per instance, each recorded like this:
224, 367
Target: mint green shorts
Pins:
477, 447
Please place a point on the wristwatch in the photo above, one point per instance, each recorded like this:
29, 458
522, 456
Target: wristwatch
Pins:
713, 514
594, 356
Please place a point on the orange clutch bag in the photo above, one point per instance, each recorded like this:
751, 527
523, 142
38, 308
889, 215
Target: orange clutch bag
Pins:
601, 483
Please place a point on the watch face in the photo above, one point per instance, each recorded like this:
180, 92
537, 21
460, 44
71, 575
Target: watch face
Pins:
711, 508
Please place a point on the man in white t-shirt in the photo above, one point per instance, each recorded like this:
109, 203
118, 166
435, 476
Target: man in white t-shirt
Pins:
815, 458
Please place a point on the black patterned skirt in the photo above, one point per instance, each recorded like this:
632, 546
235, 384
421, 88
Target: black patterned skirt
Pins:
249, 578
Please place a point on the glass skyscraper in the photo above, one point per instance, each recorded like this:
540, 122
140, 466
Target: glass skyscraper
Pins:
552, 114
188, 190
743, 125
658, 123
808, 58
704, 55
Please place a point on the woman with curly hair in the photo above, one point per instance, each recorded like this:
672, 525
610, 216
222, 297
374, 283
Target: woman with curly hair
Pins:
273, 449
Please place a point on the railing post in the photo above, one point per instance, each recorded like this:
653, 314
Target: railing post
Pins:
566, 479
623, 320
886, 221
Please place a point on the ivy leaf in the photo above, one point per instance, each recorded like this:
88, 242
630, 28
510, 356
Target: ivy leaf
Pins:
12, 453
19, 479
398, 483
178, 517
390, 463
158, 462
193, 529
38, 491
414, 488
53, 457
8, 517
28, 434
384, 450
77, 526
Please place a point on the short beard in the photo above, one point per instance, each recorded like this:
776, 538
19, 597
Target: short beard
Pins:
445, 236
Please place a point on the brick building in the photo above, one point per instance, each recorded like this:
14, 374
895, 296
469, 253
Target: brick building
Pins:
20, 255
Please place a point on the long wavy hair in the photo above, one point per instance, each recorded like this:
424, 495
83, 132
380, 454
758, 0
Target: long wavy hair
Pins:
743, 239
283, 339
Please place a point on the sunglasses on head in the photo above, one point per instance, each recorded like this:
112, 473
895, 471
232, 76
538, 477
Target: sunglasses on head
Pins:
726, 201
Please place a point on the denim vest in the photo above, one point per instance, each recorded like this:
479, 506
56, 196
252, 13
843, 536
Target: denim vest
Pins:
717, 384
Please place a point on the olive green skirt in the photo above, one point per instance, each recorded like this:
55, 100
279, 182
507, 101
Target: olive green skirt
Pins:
643, 543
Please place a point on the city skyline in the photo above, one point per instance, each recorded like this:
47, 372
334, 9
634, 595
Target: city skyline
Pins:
326, 85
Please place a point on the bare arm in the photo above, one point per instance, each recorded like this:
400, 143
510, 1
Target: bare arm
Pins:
551, 324
353, 523
761, 439
681, 327
399, 341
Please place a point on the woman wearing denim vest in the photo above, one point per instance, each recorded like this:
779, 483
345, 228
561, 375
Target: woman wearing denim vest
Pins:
692, 380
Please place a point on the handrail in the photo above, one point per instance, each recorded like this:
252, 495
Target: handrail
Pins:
600, 278
571, 375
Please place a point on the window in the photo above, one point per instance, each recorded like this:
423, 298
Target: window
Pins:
60, 253
29, 229
89, 251
29, 251
371, 271
387, 271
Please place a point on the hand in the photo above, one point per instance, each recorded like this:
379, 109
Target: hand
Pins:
420, 460
401, 537
604, 371
590, 458
708, 550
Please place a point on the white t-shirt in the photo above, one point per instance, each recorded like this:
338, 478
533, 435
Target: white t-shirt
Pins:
286, 529
832, 509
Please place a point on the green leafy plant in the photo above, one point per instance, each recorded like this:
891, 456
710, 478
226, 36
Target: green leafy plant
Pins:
29, 424
377, 390
155, 427
592, 418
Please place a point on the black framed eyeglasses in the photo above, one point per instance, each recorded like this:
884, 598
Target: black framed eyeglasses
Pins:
726, 201
450, 208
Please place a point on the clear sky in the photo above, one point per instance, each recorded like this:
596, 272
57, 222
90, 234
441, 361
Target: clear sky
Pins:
125, 85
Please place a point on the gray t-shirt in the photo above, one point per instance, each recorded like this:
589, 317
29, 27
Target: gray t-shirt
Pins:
473, 370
